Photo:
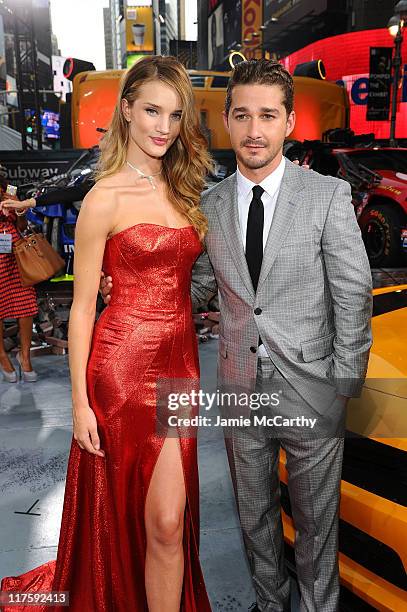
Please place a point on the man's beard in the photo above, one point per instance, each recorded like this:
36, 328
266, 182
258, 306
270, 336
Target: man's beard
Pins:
255, 163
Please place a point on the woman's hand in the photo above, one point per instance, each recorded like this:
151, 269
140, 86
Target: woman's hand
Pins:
11, 204
85, 429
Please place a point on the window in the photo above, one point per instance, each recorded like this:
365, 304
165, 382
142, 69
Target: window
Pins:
220, 82
197, 80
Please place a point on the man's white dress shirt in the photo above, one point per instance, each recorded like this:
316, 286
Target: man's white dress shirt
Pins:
271, 185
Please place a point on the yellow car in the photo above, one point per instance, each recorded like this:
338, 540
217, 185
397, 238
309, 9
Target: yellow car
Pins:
373, 514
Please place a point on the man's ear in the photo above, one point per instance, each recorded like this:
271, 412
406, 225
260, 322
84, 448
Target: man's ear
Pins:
290, 123
225, 120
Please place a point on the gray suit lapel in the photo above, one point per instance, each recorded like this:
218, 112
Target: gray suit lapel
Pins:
288, 199
228, 214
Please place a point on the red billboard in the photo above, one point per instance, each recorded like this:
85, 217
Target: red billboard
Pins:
346, 58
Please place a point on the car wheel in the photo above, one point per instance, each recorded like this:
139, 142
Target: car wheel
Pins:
380, 225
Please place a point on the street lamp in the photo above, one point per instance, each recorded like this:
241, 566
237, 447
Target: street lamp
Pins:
395, 27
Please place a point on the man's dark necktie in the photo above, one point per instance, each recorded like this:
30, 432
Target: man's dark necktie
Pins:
254, 235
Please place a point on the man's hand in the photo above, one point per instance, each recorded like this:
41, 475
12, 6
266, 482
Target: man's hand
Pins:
105, 287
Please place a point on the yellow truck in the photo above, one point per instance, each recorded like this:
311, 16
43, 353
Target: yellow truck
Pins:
319, 106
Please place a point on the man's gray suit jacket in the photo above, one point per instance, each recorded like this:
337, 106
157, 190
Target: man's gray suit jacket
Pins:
313, 300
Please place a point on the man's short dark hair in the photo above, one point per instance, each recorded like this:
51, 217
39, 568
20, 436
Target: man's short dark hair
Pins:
261, 72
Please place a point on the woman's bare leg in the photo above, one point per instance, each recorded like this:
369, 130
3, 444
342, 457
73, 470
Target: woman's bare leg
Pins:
164, 520
5, 362
26, 332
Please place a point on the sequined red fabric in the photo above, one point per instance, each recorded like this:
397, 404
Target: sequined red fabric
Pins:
145, 334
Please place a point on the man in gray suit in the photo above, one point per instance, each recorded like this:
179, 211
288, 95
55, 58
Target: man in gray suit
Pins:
285, 253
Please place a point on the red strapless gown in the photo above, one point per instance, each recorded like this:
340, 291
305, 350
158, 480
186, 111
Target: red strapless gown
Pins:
145, 334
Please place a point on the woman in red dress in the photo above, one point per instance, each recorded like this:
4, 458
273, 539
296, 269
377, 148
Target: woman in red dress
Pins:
16, 301
130, 528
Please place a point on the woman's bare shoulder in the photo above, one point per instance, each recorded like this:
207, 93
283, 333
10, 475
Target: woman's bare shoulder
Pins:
101, 197
110, 183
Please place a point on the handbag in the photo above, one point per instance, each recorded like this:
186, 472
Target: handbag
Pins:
36, 260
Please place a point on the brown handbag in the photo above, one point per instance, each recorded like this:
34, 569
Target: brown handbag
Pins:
36, 259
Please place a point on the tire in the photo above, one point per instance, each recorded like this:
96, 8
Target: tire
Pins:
380, 225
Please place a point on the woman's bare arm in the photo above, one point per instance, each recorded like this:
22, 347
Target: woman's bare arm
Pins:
95, 221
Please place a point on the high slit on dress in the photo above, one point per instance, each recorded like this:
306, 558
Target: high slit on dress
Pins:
143, 339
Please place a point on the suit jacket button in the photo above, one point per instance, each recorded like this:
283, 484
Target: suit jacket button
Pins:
253, 349
257, 311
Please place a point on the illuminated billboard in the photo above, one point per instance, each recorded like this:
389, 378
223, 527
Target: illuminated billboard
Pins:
347, 61
139, 29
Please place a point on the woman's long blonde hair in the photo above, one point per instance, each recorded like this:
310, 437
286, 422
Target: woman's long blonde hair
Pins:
187, 161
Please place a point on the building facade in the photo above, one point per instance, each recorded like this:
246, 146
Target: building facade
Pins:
108, 30
289, 25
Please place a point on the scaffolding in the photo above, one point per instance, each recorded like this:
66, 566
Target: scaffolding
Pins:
20, 16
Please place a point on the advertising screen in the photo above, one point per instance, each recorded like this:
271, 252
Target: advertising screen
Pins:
347, 61
139, 29
50, 124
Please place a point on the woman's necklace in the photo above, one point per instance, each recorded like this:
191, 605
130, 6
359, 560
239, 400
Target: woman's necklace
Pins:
149, 177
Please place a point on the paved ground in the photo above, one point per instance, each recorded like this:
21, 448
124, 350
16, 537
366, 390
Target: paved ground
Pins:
35, 435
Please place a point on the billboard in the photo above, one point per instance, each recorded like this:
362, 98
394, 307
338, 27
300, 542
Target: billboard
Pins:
139, 29
216, 52
347, 61
378, 99
50, 124
252, 19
